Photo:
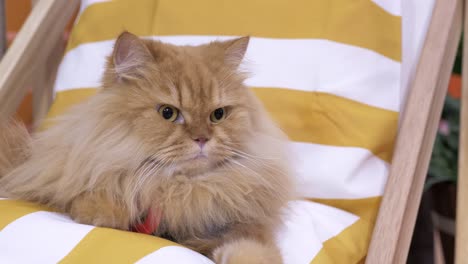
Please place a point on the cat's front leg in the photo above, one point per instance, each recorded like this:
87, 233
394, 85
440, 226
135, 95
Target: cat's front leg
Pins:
247, 251
99, 209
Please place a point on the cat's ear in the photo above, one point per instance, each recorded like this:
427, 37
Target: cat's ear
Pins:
130, 55
234, 50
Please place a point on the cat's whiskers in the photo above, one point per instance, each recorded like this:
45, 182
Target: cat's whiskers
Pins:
151, 174
261, 162
153, 169
256, 163
142, 176
235, 148
170, 168
256, 160
245, 154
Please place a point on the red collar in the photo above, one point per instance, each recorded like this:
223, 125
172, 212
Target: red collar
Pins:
151, 223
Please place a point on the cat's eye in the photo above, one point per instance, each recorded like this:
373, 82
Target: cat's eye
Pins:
168, 112
218, 115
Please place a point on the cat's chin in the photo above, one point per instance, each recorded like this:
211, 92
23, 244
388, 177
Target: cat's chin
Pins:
197, 165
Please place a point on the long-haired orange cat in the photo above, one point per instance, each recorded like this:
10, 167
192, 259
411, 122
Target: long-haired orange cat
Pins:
173, 135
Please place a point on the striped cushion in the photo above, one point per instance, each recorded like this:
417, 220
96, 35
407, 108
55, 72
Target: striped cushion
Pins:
327, 70
30, 233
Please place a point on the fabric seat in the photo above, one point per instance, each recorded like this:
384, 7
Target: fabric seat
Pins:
325, 70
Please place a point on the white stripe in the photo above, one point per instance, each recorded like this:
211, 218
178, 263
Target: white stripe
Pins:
338, 172
302, 64
415, 23
40, 237
175, 254
306, 226
391, 6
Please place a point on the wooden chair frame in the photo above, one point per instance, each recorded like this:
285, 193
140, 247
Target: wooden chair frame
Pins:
23, 65
3, 41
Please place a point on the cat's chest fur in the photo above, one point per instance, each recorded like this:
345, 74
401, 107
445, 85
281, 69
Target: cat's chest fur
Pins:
207, 205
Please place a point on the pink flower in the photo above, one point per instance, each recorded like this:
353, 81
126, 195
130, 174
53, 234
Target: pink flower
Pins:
444, 127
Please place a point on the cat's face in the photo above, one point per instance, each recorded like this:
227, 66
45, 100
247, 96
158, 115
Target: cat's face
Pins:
187, 104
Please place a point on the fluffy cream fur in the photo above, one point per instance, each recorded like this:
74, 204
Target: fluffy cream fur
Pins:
110, 159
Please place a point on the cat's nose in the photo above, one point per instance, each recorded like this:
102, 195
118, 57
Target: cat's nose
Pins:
201, 141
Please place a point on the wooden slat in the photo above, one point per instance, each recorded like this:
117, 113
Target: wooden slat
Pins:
43, 87
29, 51
45, 77
395, 223
461, 238
3, 38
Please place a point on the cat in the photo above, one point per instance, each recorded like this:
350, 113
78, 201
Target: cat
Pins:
173, 134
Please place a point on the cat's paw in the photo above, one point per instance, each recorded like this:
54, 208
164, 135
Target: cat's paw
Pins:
246, 251
92, 211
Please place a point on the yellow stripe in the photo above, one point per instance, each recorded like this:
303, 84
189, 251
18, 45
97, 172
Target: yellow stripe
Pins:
350, 246
331, 120
10, 210
63, 101
66, 99
359, 22
366, 208
307, 117
104, 245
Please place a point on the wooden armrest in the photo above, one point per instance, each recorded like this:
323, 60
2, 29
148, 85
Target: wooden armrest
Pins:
34, 42
461, 236
397, 215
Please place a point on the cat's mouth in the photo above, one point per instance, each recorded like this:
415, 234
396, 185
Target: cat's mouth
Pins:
202, 163
195, 164
200, 160
200, 156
